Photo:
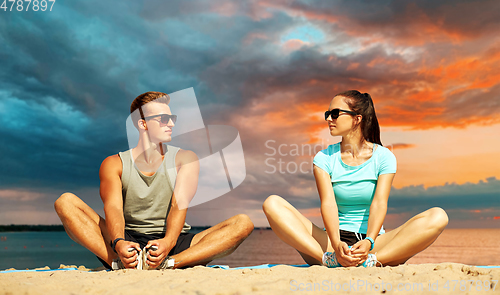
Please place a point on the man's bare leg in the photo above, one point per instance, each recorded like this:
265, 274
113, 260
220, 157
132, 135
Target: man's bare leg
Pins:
84, 226
215, 242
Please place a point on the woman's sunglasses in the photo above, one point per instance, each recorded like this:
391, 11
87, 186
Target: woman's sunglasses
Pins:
164, 118
335, 113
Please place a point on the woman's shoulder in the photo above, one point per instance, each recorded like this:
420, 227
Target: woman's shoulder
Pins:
324, 158
382, 151
330, 150
386, 160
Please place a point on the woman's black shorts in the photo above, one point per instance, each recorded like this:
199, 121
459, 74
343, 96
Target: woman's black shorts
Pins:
351, 238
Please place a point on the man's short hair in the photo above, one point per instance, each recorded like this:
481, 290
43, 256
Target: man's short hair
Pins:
142, 100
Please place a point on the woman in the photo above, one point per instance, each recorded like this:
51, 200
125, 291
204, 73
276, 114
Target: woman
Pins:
354, 178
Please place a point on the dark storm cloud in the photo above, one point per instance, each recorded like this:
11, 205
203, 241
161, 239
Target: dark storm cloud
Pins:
44, 58
52, 146
482, 196
67, 82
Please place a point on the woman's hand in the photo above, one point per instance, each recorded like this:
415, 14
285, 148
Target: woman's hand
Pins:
344, 255
360, 250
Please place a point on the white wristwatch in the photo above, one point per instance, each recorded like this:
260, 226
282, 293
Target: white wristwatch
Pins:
170, 262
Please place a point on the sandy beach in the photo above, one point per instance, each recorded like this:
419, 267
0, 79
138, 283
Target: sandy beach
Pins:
428, 272
443, 278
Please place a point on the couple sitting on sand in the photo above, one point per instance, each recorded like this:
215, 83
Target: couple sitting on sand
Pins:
145, 207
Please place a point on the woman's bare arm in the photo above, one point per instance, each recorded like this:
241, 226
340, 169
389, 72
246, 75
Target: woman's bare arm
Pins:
329, 212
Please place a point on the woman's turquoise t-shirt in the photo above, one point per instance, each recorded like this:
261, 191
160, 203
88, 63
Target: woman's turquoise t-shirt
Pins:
354, 186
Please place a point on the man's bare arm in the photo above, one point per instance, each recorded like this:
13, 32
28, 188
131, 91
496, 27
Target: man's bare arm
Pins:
111, 195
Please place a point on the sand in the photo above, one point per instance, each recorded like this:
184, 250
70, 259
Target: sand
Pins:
443, 278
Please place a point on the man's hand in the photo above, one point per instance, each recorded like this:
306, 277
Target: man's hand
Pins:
156, 257
128, 258
344, 255
361, 249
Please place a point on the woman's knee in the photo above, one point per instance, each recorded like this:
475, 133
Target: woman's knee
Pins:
438, 217
272, 203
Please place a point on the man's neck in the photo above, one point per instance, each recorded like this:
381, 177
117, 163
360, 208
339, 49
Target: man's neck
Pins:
148, 152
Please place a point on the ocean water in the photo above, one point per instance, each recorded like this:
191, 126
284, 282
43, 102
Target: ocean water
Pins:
28, 250
22, 250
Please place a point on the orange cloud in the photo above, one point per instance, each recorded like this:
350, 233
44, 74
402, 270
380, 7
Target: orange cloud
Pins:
468, 72
353, 66
395, 146
311, 212
441, 94
422, 90
294, 44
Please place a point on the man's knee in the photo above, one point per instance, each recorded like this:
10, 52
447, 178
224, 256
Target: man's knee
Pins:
65, 201
272, 203
244, 223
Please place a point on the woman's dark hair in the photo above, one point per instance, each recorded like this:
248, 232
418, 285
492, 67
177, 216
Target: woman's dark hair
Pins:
362, 104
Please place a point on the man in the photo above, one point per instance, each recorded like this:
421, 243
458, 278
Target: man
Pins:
146, 191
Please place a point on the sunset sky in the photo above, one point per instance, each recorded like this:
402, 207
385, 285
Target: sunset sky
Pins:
269, 69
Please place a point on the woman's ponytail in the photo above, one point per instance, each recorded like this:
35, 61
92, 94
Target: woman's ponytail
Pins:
371, 128
362, 104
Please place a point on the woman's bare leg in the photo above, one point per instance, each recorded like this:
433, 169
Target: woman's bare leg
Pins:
84, 226
397, 246
296, 230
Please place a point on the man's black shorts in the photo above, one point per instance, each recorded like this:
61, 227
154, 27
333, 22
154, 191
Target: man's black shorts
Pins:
183, 242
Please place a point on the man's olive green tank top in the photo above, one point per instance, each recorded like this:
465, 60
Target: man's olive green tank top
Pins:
146, 199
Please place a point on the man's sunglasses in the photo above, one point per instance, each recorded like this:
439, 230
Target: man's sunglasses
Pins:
335, 113
164, 118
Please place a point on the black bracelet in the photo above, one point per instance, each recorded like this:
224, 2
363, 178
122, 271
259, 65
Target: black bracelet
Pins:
113, 244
